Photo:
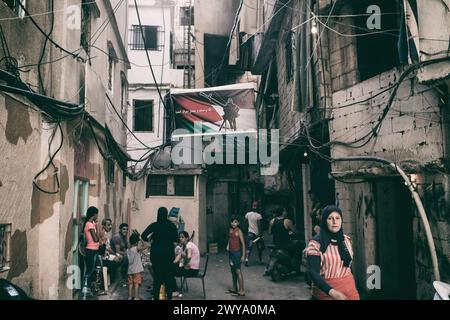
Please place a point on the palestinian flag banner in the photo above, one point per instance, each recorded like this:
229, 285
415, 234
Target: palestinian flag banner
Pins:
222, 110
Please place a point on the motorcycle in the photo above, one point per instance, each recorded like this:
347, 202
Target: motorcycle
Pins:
283, 263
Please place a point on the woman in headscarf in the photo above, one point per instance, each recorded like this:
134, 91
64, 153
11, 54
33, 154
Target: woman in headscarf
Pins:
163, 235
329, 257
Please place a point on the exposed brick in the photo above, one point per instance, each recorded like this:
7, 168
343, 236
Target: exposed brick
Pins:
402, 123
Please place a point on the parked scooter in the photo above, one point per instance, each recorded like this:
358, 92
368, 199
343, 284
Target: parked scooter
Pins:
283, 263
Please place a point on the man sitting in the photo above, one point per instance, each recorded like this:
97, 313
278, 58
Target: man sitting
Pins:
119, 244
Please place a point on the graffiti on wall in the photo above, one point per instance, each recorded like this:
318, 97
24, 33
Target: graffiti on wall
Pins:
434, 201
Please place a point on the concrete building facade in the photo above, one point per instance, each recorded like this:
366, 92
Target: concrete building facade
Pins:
40, 228
338, 85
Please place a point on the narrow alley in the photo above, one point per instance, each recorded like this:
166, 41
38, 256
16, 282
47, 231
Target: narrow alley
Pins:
191, 127
218, 281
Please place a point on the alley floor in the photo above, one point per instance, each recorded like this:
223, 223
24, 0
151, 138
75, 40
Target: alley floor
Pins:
218, 281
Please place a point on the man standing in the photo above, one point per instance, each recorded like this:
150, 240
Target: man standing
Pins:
254, 232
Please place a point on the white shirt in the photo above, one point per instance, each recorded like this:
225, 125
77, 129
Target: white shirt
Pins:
253, 218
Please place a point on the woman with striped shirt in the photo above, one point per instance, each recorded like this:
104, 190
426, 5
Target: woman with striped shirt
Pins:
329, 257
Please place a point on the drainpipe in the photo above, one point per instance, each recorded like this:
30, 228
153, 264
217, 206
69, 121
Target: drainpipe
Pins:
417, 200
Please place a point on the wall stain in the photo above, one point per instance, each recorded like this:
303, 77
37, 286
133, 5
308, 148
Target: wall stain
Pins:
41, 203
19, 259
63, 183
18, 124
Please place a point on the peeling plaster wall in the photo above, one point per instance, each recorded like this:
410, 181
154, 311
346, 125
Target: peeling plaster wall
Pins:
42, 227
16, 189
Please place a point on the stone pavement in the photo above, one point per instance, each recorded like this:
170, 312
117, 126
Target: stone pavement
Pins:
218, 281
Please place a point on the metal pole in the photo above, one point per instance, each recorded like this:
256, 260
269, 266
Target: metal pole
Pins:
189, 44
417, 200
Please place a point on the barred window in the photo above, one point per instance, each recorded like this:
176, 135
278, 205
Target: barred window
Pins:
5, 240
184, 186
156, 186
162, 185
153, 38
111, 171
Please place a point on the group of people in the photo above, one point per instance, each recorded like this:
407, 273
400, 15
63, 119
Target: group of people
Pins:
329, 252
100, 249
172, 254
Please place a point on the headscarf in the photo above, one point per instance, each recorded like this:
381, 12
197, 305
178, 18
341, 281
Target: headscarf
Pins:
162, 215
326, 236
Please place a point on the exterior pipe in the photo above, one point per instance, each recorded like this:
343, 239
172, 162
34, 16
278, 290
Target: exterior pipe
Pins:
417, 200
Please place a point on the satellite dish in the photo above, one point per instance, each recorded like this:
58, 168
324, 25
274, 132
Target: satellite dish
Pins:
161, 160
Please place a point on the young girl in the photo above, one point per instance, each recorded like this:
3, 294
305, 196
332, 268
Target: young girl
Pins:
236, 250
134, 268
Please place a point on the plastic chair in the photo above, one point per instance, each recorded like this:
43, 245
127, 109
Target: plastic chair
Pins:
201, 275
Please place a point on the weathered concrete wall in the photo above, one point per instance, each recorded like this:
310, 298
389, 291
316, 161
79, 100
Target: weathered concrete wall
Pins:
411, 130
289, 116
211, 17
154, 15
42, 226
434, 190
151, 139
192, 209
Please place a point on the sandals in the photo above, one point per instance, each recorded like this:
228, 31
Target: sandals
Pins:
238, 294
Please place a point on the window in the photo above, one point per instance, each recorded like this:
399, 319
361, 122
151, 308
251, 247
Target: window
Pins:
5, 240
111, 171
111, 69
85, 26
123, 97
288, 55
15, 7
161, 185
186, 16
372, 61
143, 115
153, 37
184, 185
156, 186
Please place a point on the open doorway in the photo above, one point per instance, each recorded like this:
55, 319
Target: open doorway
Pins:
395, 242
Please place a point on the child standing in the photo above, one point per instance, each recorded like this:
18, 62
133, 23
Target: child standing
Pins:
236, 250
134, 267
